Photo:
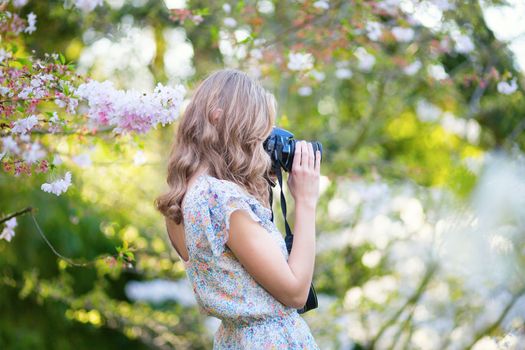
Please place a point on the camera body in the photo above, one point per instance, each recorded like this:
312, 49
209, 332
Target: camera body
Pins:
280, 145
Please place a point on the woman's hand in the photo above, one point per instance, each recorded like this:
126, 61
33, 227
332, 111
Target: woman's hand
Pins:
303, 180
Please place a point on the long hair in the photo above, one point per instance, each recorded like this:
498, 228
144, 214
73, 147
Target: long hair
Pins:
231, 149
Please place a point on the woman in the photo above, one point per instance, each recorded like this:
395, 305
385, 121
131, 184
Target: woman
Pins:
218, 216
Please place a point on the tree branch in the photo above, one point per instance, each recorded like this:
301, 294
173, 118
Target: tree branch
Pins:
491, 327
18, 213
413, 299
67, 132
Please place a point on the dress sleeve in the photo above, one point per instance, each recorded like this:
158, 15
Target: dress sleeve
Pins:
223, 201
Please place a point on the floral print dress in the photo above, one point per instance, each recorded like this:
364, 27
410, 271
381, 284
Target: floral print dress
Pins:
251, 318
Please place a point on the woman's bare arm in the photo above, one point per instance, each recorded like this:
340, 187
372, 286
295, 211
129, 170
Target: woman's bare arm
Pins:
256, 249
288, 281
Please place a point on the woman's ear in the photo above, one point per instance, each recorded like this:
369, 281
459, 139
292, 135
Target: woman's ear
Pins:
215, 115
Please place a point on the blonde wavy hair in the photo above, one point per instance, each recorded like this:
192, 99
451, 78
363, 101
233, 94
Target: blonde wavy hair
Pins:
232, 149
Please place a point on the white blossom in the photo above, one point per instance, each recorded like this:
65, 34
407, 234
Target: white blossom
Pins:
25, 92
403, 34
8, 232
10, 145
426, 338
31, 22
371, 258
353, 298
54, 122
366, 60
453, 124
508, 88
165, 103
389, 6
427, 112
83, 160
377, 289
139, 158
319, 76
227, 7
473, 163
57, 160
322, 4
511, 341
486, 343
21, 126
19, 3
254, 71
5, 54
34, 153
300, 61
444, 5
343, 73
472, 131
437, 71
256, 53
59, 186
324, 182
501, 244
304, 91
229, 22
159, 290
87, 5
374, 30
463, 44
265, 6
413, 68
60, 103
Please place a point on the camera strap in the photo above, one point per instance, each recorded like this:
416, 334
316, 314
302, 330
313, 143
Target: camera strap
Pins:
311, 302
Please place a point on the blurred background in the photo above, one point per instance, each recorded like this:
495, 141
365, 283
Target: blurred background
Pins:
419, 106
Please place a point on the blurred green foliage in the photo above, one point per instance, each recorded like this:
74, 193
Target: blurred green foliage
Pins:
368, 125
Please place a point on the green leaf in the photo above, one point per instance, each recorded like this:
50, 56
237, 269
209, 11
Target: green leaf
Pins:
23, 61
62, 58
214, 33
240, 5
202, 11
246, 40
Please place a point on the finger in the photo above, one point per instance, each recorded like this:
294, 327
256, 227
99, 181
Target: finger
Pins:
317, 161
304, 154
310, 156
297, 156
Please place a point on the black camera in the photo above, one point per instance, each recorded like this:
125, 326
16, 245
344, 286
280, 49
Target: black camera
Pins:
280, 145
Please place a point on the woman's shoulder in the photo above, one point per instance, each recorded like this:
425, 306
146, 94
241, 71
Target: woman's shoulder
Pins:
229, 191
209, 191
215, 192
224, 187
